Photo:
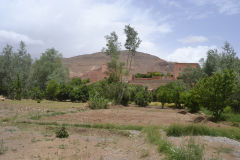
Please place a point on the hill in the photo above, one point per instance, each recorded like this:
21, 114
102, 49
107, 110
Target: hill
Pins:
82, 65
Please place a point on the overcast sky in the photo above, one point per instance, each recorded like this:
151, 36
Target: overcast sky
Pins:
170, 29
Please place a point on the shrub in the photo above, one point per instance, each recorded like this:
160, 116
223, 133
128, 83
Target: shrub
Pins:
62, 133
80, 94
3, 149
64, 92
52, 89
189, 99
126, 98
143, 98
97, 102
37, 94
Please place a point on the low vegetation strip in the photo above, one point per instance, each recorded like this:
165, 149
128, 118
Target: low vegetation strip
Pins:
177, 130
191, 151
85, 125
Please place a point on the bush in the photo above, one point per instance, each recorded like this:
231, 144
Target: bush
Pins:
37, 94
80, 94
98, 102
143, 98
52, 89
64, 92
189, 100
62, 133
126, 98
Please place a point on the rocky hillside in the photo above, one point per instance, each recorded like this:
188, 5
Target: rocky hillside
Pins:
142, 63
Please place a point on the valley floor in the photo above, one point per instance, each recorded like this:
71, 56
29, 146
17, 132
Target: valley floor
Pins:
27, 131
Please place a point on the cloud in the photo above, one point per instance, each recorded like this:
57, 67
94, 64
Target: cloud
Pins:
13, 37
193, 39
78, 26
228, 7
189, 54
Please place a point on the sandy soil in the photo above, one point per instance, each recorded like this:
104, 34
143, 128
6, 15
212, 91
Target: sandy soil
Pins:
90, 144
127, 115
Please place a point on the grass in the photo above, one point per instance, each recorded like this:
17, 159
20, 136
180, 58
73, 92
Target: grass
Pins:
191, 151
98, 126
230, 117
3, 149
200, 130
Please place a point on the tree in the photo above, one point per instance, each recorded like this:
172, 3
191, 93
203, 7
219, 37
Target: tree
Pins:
175, 89
131, 44
48, 67
7, 72
162, 95
214, 92
113, 51
143, 98
22, 63
210, 66
18, 88
52, 89
190, 76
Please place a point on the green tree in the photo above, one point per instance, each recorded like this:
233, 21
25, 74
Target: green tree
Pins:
190, 76
22, 65
18, 88
214, 92
52, 89
143, 98
175, 89
112, 50
131, 44
48, 67
162, 95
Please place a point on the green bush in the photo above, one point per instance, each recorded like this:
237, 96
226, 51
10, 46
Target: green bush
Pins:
189, 99
62, 133
126, 98
143, 98
64, 92
98, 102
52, 89
37, 94
79, 94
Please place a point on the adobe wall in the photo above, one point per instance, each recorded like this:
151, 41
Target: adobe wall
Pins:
179, 67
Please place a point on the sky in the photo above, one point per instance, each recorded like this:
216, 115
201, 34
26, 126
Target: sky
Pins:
174, 30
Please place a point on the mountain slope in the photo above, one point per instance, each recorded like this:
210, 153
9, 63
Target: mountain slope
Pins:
142, 63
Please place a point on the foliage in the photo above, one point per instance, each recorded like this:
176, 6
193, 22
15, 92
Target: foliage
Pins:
3, 149
96, 101
190, 100
174, 90
79, 93
190, 76
143, 98
48, 67
149, 75
37, 93
201, 130
115, 67
214, 92
52, 89
191, 151
64, 92
126, 98
13, 64
62, 133
18, 88
162, 95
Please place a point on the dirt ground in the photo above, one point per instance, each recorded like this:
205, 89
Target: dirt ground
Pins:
32, 141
